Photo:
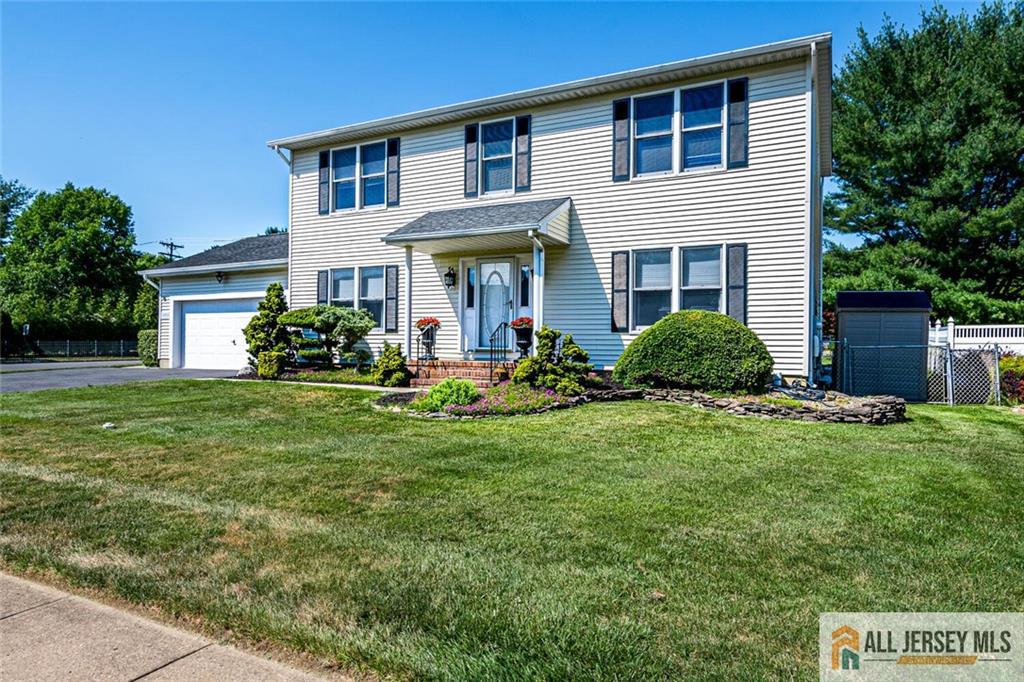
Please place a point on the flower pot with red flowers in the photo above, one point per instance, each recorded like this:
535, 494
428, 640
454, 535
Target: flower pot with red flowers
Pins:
523, 327
428, 327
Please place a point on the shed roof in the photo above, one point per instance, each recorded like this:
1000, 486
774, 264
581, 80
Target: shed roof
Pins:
883, 300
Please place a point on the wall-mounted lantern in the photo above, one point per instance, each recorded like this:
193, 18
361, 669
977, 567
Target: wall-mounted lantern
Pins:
449, 278
220, 277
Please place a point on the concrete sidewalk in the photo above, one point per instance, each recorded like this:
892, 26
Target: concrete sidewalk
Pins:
46, 634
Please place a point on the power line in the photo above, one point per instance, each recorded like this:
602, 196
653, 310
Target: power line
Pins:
171, 247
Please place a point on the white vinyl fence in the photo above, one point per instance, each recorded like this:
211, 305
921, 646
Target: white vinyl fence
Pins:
1009, 337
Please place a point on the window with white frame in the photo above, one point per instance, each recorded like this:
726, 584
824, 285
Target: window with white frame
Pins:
342, 288
359, 176
497, 154
372, 167
652, 133
652, 286
701, 278
703, 119
343, 169
371, 292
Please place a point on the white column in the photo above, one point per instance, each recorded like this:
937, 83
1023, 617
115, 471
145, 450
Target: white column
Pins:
538, 286
950, 338
408, 302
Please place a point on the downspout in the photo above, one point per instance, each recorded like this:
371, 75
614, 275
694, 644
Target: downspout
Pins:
538, 284
812, 195
159, 295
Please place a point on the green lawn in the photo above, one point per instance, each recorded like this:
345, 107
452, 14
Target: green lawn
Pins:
529, 547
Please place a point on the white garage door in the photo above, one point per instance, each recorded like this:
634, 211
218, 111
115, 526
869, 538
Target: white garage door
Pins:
211, 333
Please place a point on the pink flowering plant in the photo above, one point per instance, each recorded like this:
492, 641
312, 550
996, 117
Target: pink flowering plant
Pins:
508, 398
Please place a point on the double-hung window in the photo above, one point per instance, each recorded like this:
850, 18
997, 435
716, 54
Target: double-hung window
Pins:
359, 176
703, 126
342, 293
371, 292
372, 167
652, 286
343, 167
496, 159
652, 133
701, 278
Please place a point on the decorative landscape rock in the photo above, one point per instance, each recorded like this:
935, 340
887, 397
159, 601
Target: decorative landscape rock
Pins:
247, 372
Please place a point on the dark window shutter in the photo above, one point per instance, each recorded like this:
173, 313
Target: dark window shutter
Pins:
472, 150
325, 183
736, 278
321, 286
523, 124
620, 291
391, 299
738, 123
394, 146
620, 140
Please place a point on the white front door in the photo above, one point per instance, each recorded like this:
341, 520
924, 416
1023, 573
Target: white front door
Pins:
496, 282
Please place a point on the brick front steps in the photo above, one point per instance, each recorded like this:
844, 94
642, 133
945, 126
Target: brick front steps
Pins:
428, 373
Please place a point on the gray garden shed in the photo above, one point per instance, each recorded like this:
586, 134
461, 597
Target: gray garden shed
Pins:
883, 337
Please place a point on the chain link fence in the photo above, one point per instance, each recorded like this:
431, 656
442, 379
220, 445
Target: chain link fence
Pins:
86, 349
921, 373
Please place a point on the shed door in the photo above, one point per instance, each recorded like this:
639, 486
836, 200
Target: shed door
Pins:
211, 333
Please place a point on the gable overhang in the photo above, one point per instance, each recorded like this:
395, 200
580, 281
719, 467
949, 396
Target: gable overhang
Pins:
652, 76
550, 230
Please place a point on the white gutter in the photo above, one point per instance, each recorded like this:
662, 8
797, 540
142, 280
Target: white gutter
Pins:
554, 93
147, 280
284, 158
216, 267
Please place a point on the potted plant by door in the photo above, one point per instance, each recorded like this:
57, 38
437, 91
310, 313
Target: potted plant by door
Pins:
428, 327
523, 327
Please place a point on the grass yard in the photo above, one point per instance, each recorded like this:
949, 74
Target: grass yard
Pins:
618, 541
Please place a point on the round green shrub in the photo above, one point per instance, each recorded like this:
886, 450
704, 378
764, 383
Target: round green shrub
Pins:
147, 347
390, 368
699, 350
451, 391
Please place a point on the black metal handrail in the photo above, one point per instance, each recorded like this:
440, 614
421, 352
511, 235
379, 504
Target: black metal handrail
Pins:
498, 336
419, 342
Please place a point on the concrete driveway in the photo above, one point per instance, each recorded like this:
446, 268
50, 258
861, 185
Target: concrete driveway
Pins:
71, 376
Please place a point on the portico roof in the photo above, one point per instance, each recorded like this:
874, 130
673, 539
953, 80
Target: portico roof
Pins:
487, 226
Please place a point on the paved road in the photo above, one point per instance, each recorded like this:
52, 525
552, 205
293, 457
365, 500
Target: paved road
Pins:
51, 635
75, 364
74, 377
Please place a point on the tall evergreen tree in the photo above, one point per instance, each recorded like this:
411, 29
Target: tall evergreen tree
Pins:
928, 140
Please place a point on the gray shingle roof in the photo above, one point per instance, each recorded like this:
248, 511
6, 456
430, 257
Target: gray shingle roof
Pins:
486, 216
250, 249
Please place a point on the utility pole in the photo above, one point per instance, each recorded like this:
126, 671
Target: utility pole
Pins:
171, 247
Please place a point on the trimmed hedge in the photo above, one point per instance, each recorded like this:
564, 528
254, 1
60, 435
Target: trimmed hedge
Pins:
696, 349
147, 347
270, 364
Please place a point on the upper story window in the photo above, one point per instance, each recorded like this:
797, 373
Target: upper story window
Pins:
496, 156
703, 126
652, 133
691, 129
343, 165
701, 278
359, 176
371, 174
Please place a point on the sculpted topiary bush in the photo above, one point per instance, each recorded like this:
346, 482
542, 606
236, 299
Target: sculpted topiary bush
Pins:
699, 350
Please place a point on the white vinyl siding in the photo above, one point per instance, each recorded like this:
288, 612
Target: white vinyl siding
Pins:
763, 205
242, 283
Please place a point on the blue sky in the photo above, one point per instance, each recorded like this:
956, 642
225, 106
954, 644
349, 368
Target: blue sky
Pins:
169, 105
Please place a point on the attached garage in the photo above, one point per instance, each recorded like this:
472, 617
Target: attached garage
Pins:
207, 299
211, 333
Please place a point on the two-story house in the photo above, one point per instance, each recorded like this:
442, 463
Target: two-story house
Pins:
595, 206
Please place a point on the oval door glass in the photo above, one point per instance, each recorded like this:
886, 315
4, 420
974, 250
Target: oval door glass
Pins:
495, 295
